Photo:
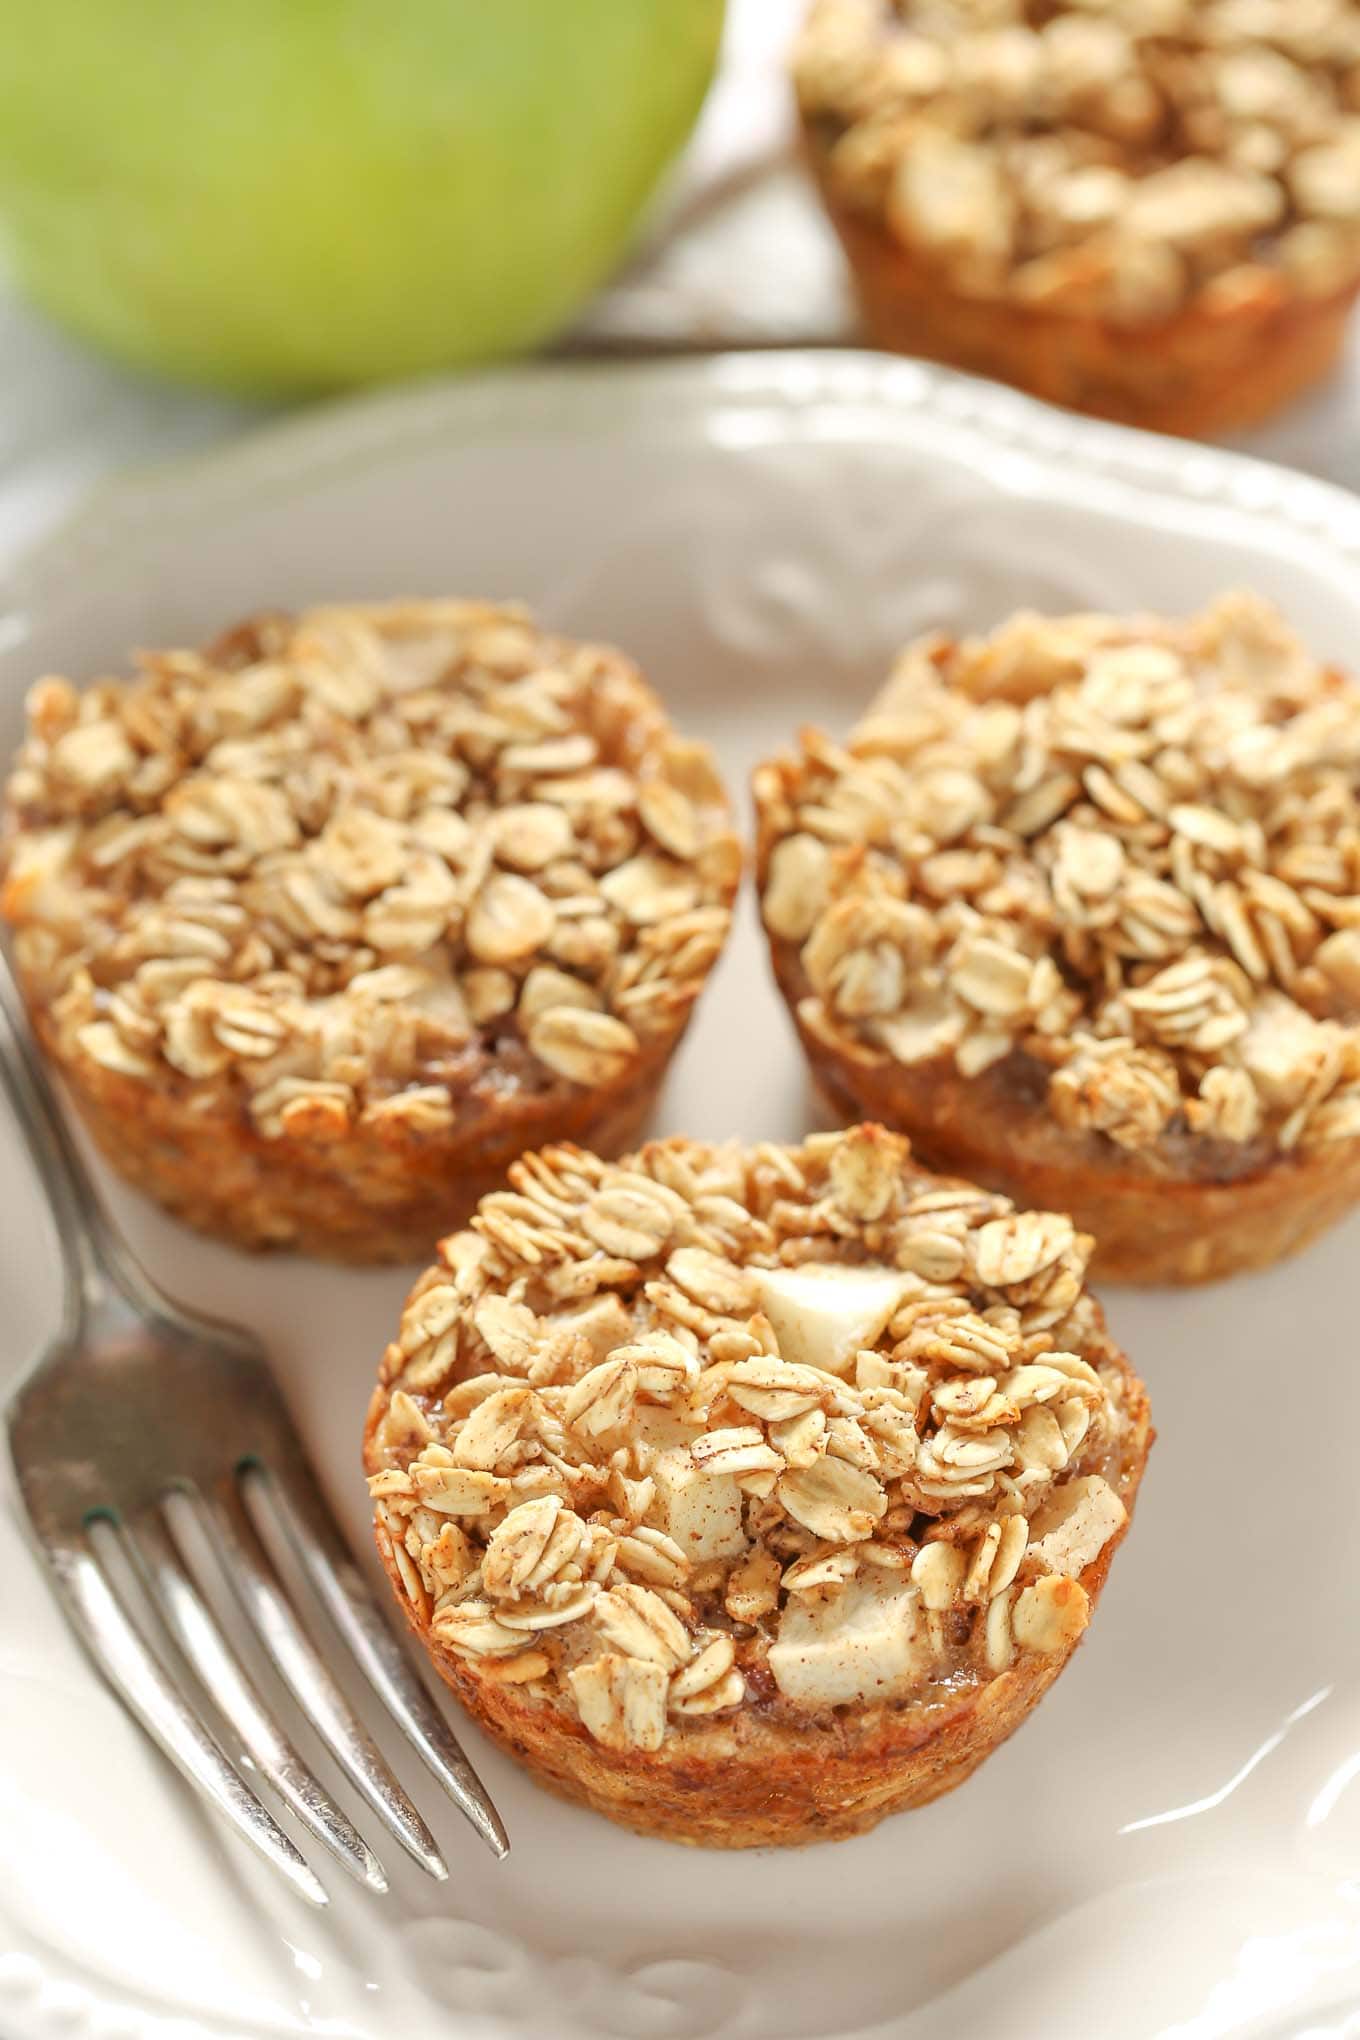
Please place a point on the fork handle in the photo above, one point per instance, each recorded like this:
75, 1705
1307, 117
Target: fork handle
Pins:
93, 1259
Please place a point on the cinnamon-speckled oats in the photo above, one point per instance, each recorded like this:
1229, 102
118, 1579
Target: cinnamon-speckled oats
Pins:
668, 1438
363, 878
1120, 157
1123, 852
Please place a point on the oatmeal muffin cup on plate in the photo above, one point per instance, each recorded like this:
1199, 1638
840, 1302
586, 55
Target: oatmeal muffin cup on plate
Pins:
326, 923
749, 1495
1148, 209
1077, 906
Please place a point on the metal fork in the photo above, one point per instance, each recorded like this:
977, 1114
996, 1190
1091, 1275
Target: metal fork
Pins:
153, 1452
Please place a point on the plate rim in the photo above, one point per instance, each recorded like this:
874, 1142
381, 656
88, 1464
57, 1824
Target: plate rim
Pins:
580, 399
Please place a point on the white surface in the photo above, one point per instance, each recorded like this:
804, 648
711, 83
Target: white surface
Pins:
739, 257
744, 257
1171, 1847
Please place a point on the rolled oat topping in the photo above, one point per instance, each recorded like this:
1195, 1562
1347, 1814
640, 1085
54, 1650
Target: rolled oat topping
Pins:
349, 864
1111, 157
786, 1427
1127, 850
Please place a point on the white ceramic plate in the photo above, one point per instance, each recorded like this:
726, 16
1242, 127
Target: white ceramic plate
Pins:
1172, 1846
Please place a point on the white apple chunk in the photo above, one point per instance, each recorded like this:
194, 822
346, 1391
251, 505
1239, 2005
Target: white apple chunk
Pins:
652, 1424
1076, 1525
824, 1313
1281, 1044
854, 1644
603, 1323
701, 1511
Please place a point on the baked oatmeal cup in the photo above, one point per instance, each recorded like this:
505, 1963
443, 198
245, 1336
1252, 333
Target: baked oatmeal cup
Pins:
749, 1495
1077, 906
1148, 209
324, 924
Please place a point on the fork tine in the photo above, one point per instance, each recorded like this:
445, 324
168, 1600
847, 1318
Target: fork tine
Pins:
146, 1688
344, 1594
161, 1555
304, 1672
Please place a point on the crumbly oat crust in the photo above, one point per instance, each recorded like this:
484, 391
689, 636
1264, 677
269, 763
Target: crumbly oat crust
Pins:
1118, 858
364, 878
1121, 159
783, 1435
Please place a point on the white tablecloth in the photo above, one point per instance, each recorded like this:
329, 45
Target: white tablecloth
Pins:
738, 257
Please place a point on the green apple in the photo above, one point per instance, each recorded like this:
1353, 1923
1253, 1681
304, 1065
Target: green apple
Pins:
303, 194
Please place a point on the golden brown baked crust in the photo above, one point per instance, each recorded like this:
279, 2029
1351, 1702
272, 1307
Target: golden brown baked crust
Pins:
1213, 368
1078, 908
1149, 210
327, 923
1151, 1227
749, 1784
798, 1685
368, 1194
